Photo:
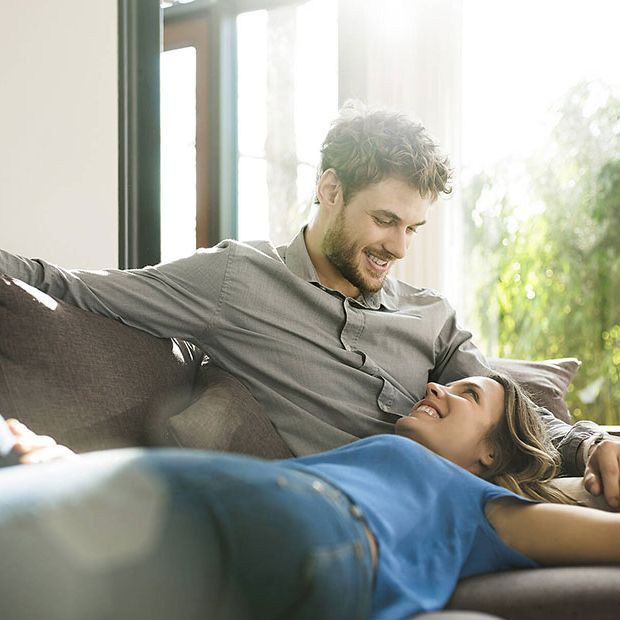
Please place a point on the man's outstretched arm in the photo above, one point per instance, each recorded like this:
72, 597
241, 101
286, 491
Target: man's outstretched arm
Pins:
177, 299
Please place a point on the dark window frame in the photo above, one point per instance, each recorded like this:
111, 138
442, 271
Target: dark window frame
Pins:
140, 29
139, 26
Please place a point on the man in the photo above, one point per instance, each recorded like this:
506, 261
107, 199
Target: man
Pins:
332, 347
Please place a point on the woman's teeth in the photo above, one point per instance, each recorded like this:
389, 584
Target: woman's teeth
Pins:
428, 410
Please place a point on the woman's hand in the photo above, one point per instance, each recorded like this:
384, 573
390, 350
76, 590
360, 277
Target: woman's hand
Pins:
34, 448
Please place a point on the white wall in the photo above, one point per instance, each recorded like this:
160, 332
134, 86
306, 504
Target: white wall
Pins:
58, 131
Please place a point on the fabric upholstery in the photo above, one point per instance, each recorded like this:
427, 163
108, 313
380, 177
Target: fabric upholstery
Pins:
226, 417
546, 381
89, 382
573, 487
570, 593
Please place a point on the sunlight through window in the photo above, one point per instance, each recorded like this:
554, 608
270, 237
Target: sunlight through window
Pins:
287, 96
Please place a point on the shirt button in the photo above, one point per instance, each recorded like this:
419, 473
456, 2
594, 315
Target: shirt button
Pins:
317, 486
282, 481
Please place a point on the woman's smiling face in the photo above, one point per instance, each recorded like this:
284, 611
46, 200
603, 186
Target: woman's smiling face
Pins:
455, 420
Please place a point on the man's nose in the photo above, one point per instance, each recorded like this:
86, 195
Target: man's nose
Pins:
398, 244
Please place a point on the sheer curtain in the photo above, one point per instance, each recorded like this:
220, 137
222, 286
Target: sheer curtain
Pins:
406, 55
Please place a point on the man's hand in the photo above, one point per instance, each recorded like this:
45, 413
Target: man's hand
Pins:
36, 448
602, 472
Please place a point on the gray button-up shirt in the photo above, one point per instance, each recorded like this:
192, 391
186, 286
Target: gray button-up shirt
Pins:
328, 369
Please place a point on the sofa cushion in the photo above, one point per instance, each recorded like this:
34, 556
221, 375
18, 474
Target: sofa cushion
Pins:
567, 593
86, 380
573, 487
226, 417
546, 382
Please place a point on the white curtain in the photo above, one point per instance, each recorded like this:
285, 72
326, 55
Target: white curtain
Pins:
406, 55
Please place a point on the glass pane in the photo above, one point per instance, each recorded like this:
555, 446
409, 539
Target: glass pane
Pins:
178, 153
252, 86
254, 222
287, 96
541, 145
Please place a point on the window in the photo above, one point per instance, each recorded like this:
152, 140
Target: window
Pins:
284, 70
287, 96
185, 218
178, 153
541, 157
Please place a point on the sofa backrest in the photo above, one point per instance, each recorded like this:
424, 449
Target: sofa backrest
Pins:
94, 383
88, 381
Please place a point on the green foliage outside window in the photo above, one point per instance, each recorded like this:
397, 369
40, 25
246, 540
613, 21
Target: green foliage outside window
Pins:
544, 246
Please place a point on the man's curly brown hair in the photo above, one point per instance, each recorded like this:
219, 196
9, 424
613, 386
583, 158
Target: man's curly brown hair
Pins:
365, 146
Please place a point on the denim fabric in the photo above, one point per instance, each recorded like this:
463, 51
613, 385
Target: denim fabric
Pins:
167, 534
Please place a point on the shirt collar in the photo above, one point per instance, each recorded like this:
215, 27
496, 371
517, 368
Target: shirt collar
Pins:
296, 258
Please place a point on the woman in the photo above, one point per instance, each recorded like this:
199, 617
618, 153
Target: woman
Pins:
381, 528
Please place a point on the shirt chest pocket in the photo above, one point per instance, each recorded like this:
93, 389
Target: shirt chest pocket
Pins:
394, 401
391, 398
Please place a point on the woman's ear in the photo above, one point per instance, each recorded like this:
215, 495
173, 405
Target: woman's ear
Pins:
487, 459
483, 464
329, 190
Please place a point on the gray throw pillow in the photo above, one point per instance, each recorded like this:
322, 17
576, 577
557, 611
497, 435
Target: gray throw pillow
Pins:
546, 381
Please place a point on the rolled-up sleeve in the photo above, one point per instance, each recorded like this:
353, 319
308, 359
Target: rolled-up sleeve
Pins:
567, 439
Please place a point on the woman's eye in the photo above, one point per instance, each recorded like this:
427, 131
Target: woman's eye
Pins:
473, 393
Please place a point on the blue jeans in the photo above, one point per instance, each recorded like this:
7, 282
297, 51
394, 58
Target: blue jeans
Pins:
173, 534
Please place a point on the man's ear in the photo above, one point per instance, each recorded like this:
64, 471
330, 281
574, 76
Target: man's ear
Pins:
329, 189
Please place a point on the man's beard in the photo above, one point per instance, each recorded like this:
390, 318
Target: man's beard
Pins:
344, 254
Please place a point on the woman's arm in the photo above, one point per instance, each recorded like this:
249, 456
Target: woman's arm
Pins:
555, 534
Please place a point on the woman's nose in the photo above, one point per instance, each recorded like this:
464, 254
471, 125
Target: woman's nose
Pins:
435, 389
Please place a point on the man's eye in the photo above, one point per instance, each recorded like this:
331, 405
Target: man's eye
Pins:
382, 222
412, 230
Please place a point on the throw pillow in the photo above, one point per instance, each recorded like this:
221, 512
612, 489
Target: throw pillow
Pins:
546, 382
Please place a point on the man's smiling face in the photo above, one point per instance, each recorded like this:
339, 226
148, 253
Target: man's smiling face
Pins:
373, 230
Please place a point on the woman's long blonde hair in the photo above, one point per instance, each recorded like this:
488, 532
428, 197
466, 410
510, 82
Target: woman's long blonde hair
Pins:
525, 460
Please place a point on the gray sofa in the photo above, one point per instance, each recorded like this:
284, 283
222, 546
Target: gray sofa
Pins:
93, 384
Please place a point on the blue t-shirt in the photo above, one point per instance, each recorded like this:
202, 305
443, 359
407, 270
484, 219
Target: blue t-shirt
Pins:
427, 515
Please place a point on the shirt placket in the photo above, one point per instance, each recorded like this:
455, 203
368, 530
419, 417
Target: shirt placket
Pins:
390, 400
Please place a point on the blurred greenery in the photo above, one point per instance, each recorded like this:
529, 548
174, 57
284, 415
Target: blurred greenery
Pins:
544, 245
